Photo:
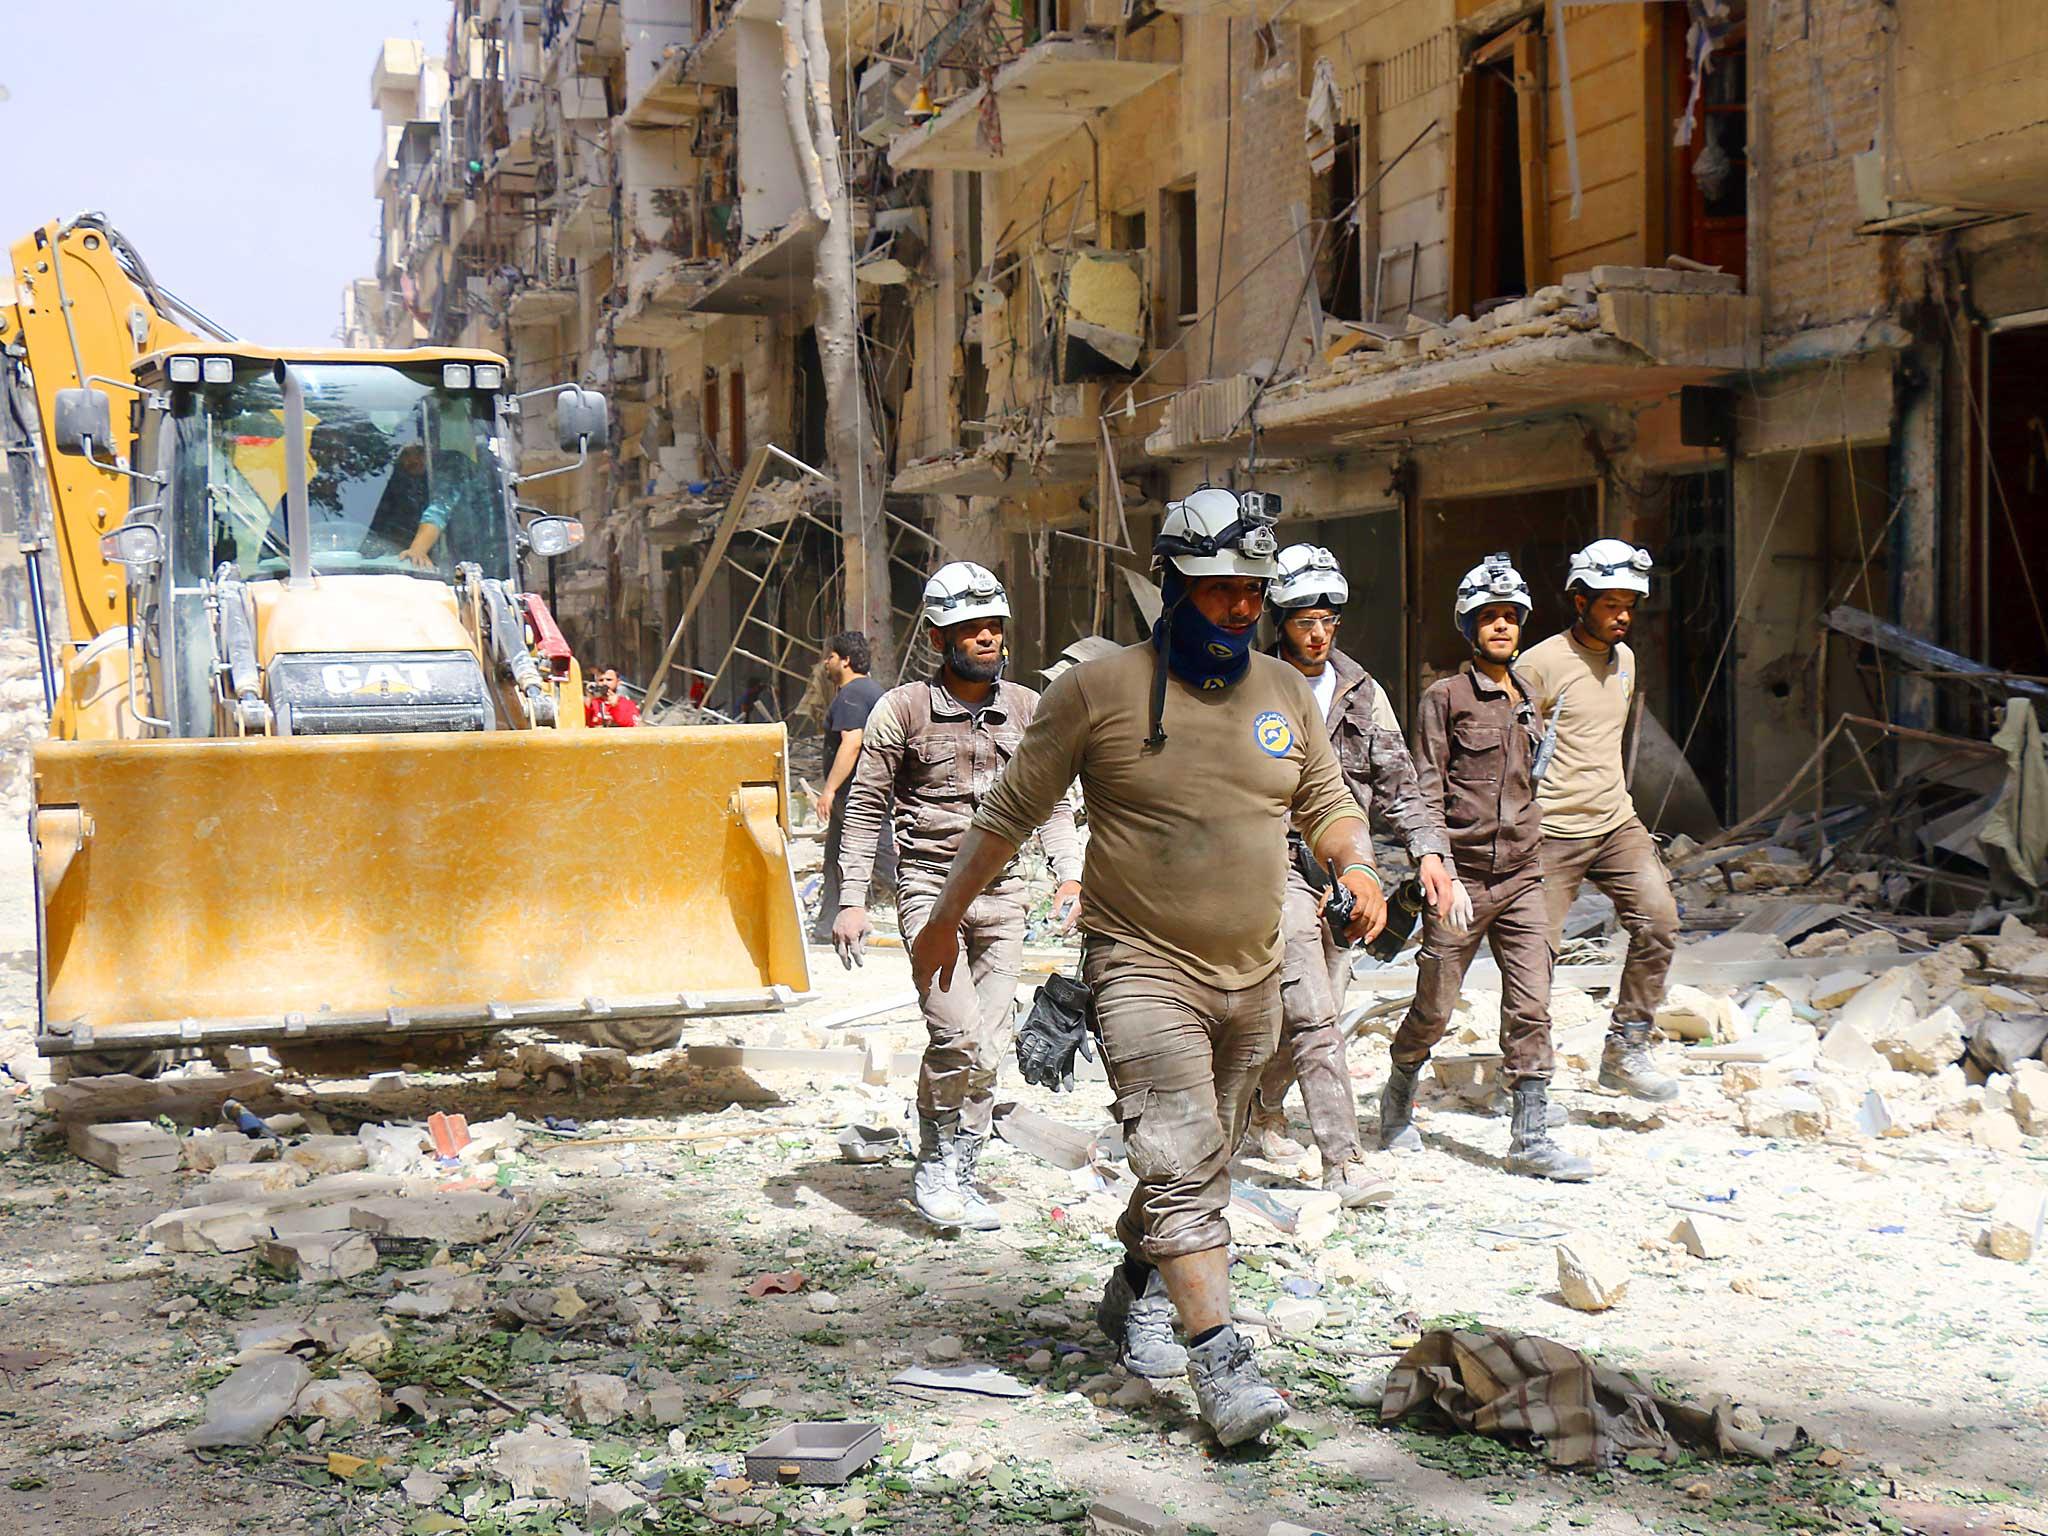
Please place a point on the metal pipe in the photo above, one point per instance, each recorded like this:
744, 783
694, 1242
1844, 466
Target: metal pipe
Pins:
298, 532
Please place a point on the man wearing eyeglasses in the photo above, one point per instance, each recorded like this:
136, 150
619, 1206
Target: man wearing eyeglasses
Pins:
1194, 753
934, 748
1584, 682
1308, 604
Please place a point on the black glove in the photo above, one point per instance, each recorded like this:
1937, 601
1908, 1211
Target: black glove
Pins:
1054, 1032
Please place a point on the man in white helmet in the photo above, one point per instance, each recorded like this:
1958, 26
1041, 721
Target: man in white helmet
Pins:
1194, 753
1308, 604
1584, 681
935, 747
1477, 739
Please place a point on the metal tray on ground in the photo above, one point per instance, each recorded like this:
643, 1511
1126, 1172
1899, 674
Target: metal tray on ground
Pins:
824, 1454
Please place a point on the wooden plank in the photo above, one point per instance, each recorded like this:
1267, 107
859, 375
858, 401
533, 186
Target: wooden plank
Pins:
1532, 110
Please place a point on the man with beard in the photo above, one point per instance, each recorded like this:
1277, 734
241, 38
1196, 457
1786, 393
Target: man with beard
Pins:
935, 747
1308, 604
1194, 754
1584, 681
1478, 736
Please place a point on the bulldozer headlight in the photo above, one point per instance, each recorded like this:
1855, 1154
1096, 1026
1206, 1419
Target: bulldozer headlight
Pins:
552, 536
218, 370
184, 370
489, 376
455, 375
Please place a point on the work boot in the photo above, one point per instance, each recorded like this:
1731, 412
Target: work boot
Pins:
1266, 1132
1625, 1065
1554, 1115
935, 1186
1355, 1185
1397, 1110
1530, 1149
1230, 1394
978, 1215
1140, 1325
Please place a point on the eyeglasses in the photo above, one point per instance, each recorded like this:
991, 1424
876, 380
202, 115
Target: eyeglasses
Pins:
1312, 623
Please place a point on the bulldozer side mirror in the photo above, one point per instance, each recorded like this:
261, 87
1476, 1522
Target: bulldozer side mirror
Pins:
552, 536
84, 417
581, 418
139, 542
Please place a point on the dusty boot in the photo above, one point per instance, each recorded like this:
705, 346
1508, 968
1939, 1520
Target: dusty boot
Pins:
1140, 1325
1530, 1149
1266, 1134
935, 1187
1356, 1185
1625, 1065
1232, 1397
1503, 1103
1397, 1110
979, 1215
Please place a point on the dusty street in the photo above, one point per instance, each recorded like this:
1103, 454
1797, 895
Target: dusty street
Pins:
1851, 1301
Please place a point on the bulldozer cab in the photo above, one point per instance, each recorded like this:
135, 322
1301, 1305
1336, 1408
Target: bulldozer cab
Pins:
389, 452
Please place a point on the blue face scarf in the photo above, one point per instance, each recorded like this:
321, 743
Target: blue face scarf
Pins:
1199, 653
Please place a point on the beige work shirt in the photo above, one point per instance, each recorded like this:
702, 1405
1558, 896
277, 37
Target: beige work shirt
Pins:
1586, 694
1187, 853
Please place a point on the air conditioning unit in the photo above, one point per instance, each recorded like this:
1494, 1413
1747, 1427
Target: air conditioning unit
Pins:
877, 115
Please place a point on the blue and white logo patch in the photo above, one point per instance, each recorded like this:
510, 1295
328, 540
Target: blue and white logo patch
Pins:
1273, 733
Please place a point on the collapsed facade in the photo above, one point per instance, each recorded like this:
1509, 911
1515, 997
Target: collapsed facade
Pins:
1734, 281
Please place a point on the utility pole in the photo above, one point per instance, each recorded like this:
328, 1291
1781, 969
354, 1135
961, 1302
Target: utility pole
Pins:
849, 429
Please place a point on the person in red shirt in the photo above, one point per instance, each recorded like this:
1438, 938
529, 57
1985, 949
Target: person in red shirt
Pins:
606, 705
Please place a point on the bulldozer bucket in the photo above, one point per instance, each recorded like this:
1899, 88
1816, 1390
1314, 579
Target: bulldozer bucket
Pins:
326, 888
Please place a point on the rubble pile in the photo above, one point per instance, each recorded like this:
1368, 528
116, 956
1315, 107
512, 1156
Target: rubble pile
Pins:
22, 719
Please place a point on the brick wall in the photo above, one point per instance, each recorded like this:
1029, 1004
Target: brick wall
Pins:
1816, 78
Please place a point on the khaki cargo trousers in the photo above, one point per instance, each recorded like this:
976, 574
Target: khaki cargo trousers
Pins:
967, 1023
1183, 1060
1510, 915
1314, 974
1624, 866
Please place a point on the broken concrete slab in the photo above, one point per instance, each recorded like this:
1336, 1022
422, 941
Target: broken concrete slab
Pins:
242, 1180
322, 1255
539, 1465
611, 1503
125, 1148
444, 1216
1832, 991
1704, 1237
1789, 1114
2028, 1097
1916, 1044
2013, 1230
1123, 1514
1845, 1047
188, 1100
1688, 1013
328, 1154
204, 1151
1590, 1277
594, 1398
247, 1405
1052, 1141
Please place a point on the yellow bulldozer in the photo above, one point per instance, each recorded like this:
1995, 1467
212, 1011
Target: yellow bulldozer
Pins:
318, 776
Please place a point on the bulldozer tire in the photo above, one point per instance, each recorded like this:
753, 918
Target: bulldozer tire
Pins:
636, 1037
108, 1064
354, 1058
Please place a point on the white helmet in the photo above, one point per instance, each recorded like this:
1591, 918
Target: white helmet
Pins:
1494, 580
961, 591
1214, 532
1309, 578
1610, 565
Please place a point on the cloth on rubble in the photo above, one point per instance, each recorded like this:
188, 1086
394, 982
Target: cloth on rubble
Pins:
1517, 1386
2015, 836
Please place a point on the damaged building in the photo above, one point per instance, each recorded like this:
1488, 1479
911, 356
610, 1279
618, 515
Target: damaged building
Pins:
1734, 281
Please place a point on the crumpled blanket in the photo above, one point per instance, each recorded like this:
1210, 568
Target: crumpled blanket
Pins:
1514, 1386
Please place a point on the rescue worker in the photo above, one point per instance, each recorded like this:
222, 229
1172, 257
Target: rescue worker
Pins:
1477, 735
1194, 752
934, 747
1584, 682
1308, 604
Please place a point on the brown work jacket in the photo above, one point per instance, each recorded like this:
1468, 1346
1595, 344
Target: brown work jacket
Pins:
1375, 762
934, 760
1474, 744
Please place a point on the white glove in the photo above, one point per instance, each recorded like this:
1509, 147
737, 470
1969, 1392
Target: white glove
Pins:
1459, 918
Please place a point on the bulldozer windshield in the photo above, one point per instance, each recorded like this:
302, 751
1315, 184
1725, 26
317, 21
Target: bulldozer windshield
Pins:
401, 474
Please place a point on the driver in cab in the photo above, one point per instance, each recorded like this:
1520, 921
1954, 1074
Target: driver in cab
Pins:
410, 517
